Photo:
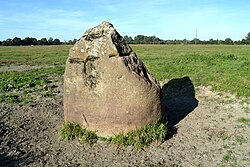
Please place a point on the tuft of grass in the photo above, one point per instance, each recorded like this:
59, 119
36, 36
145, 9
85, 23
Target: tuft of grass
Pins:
9, 99
240, 140
224, 137
139, 138
244, 121
229, 159
71, 131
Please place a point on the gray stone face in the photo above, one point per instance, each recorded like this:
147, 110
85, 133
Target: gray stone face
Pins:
107, 88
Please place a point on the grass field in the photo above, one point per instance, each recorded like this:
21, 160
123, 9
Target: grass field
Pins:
225, 68
33, 55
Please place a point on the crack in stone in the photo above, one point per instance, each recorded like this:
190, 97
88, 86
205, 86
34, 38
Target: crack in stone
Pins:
76, 60
90, 73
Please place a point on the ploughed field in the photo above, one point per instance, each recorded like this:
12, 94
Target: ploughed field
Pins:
212, 132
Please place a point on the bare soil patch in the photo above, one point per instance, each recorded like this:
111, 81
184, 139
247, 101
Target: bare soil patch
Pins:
210, 133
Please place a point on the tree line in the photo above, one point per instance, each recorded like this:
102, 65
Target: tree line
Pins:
138, 39
142, 39
28, 41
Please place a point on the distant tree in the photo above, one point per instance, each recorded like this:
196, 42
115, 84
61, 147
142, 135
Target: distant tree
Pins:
155, 40
7, 42
74, 41
17, 41
147, 39
43, 41
56, 42
217, 41
196, 41
33, 41
248, 38
167, 42
212, 41
228, 41
4, 43
26, 41
221, 42
185, 41
128, 39
244, 42
139, 39
70, 42
143, 39
237, 42
204, 42
65, 42
30, 41
1, 43
50, 41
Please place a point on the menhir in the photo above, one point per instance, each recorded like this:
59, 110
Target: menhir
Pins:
107, 88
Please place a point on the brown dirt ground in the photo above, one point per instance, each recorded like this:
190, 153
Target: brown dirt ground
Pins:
205, 128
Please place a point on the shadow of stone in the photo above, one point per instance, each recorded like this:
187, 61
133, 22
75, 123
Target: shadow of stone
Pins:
178, 100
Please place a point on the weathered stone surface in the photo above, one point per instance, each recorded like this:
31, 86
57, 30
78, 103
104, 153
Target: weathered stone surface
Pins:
107, 88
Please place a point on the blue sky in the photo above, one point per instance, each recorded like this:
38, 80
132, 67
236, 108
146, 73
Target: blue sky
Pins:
166, 19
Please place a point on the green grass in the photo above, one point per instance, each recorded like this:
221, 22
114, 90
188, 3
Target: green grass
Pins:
71, 131
225, 68
33, 55
23, 86
240, 140
229, 159
142, 137
244, 121
139, 138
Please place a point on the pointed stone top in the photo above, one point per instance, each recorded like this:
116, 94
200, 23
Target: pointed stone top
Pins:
103, 29
106, 33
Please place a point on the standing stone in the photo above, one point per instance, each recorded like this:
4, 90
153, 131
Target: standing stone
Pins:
107, 88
